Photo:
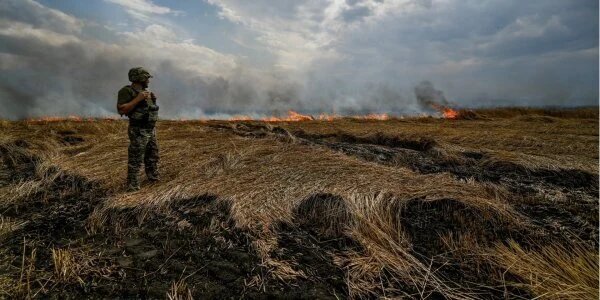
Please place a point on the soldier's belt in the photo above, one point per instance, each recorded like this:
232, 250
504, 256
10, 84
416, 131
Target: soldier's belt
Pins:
142, 123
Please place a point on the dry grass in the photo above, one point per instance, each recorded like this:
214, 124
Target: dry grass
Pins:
179, 291
9, 225
271, 180
510, 112
565, 142
553, 272
22, 288
66, 267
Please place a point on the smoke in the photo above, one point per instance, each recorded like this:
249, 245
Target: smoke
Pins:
54, 68
428, 96
77, 76
55, 64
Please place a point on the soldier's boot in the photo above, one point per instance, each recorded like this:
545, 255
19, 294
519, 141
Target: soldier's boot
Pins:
152, 173
133, 176
153, 178
133, 186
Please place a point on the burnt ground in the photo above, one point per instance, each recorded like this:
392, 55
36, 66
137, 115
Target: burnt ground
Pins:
140, 254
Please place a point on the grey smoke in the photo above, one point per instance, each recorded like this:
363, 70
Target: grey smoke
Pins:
427, 95
82, 79
49, 74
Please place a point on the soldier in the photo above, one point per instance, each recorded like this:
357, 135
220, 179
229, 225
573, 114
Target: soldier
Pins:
140, 106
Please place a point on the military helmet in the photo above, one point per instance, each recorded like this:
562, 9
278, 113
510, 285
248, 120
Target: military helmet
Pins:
138, 74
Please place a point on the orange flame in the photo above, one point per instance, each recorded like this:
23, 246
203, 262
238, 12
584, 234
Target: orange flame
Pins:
450, 113
291, 117
297, 117
447, 112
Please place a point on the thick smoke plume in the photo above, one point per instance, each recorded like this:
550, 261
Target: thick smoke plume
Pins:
429, 97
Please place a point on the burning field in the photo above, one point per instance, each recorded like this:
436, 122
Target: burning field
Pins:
476, 204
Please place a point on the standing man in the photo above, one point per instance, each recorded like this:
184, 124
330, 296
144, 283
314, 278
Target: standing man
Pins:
140, 106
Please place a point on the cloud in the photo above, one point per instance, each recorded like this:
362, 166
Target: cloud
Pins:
356, 13
144, 10
37, 15
341, 49
44, 72
23, 31
142, 6
345, 56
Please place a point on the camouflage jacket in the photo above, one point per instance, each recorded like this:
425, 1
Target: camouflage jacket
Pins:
144, 112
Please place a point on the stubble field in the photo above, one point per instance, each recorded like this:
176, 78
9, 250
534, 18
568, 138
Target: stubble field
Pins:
499, 203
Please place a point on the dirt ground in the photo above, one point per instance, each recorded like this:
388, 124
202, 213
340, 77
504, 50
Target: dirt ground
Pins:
502, 204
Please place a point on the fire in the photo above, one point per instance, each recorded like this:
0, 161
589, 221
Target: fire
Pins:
293, 116
447, 112
450, 113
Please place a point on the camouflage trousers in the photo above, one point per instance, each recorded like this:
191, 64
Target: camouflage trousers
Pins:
143, 148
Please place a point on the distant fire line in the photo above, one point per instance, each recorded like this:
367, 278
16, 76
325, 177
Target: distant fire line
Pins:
292, 116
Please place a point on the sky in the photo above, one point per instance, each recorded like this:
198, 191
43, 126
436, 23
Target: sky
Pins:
217, 58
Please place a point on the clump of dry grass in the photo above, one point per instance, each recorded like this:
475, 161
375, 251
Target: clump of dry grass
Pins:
75, 266
553, 272
9, 225
179, 291
221, 163
67, 268
23, 287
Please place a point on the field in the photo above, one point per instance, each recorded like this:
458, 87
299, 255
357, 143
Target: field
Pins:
498, 203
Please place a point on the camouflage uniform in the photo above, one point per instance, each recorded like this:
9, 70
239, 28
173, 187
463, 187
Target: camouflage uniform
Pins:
143, 147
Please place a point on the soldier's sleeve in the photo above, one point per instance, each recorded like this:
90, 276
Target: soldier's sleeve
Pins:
124, 96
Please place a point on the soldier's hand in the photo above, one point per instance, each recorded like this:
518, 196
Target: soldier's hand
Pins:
144, 95
153, 96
